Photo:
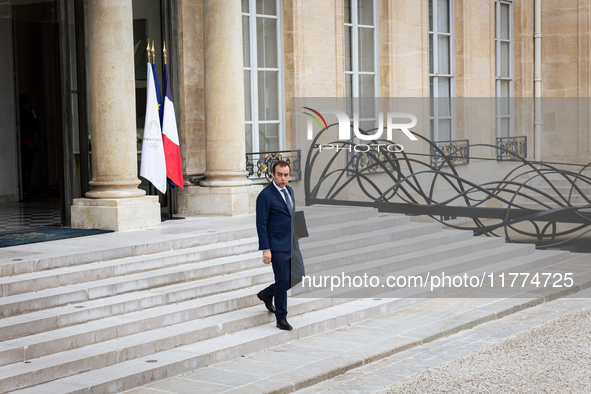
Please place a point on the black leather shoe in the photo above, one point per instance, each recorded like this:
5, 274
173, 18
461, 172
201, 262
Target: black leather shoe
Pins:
267, 300
284, 325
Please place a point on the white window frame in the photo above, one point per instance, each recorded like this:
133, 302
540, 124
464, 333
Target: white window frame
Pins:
498, 59
354, 25
436, 75
254, 69
355, 49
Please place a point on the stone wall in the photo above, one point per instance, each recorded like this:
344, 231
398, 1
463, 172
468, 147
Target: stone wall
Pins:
314, 63
313, 52
566, 50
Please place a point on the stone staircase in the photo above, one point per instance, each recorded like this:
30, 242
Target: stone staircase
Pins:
108, 320
534, 200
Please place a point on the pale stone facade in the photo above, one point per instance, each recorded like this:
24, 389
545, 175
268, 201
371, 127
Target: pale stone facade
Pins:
314, 64
313, 53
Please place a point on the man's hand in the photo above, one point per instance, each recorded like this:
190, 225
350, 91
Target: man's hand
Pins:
266, 256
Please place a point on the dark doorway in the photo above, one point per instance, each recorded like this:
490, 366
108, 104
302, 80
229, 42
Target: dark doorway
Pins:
36, 55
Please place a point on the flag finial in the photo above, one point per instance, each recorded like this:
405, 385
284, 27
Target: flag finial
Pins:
148, 50
153, 53
164, 50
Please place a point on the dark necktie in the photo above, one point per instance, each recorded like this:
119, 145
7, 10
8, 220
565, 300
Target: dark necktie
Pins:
287, 200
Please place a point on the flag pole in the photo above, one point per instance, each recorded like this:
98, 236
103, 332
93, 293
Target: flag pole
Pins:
170, 188
151, 188
153, 50
153, 53
164, 50
169, 196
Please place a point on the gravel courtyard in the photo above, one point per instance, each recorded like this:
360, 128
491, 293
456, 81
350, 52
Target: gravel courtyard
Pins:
554, 357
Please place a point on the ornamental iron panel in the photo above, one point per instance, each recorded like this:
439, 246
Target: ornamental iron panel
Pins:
457, 151
259, 165
511, 146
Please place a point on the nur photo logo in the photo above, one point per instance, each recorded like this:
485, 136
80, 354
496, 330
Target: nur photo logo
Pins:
344, 129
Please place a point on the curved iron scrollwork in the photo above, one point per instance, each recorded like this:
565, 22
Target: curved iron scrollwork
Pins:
259, 164
538, 195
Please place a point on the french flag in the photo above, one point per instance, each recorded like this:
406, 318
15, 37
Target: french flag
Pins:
170, 137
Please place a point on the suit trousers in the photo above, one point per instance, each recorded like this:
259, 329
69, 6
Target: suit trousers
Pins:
281, 262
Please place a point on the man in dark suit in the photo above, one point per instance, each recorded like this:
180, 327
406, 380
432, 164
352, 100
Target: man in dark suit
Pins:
278, 241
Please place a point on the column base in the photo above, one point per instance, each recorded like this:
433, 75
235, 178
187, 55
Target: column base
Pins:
117, 214
218, 201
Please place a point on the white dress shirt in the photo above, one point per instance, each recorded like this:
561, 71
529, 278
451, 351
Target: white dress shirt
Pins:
283, 194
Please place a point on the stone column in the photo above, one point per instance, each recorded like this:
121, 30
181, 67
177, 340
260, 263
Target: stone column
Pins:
115, 202
226, 189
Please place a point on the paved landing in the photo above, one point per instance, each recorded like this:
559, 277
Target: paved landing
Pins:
375, 377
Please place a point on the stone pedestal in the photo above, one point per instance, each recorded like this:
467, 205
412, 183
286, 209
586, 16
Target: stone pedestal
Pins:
219, 201
117, 214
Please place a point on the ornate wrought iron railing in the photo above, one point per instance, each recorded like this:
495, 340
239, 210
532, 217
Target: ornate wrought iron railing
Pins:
536, 195
362, 161
259, 164
510, 147
458, 152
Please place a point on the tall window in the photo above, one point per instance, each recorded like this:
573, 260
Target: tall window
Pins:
504, 67
441, 69
263, 76
361, 57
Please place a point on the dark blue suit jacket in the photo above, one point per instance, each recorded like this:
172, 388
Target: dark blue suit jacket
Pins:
273, 220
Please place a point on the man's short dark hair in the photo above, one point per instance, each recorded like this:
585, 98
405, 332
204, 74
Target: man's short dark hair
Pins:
280, 163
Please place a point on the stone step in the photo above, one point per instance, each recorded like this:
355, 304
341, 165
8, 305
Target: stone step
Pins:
551, 205
415, 243
517, 258
320, 215
146, 341
64, 276
81, 312
334, 231
470, 255
524, 264
50, 297
331, 354
47, 279
129, 374
12, 305
346, 243
106, 252
457, 251
113, 247
131, 336
583, 188
20, 303
122, 304
562, 180
193, 356
65, 314
553, 198
182, 291
81, 334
